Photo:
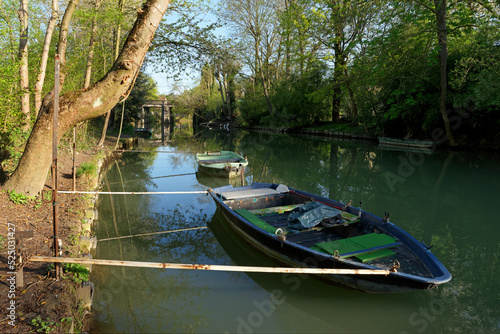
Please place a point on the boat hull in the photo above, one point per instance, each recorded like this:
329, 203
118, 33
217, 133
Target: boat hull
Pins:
225, 164
406, 143
224, 172
292, 254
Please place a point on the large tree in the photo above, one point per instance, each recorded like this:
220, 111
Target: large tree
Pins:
81, 105
255, 22
340, 26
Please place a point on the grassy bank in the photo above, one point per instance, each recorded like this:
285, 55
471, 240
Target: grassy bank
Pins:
44, 304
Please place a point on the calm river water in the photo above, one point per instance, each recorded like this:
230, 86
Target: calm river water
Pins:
449, 200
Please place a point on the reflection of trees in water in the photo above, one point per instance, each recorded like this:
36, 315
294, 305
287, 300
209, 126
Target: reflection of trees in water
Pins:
131, 290
449, 201
337, 307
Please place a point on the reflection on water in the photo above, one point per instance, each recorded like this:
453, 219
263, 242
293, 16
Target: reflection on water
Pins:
445, 199
337, 308
214, 182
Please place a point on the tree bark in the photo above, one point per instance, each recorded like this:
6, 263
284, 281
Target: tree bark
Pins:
45, 55
90, 55
264, 85
81, 105
440, 6
338, 73
221, 89
354, 106
23, 58
61, 51
117, 51
104, 129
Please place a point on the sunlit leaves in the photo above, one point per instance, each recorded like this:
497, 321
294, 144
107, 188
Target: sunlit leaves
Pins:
182, 43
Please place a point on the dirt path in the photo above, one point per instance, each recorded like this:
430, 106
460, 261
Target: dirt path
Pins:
43, 302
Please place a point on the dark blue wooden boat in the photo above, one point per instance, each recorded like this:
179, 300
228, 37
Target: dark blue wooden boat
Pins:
305, 230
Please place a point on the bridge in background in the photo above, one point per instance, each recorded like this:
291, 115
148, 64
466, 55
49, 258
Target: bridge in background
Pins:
164, 105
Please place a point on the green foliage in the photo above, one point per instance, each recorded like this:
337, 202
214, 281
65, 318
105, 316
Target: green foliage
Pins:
396, 79
213, 108
87, 135
11, 147
385, 51
128, 129
12, 139
144, 89
253, 107
86, 168
301, 100
475, 70
19, 198
10, 115
78, 272
43, 326
183, 40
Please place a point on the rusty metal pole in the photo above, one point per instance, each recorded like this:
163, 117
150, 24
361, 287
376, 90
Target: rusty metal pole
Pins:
74, 158
243, 176
54, 162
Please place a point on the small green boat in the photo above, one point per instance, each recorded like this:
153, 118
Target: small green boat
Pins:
221, 163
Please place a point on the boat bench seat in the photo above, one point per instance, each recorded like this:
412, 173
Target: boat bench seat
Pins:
220, 161
249, 192
365, 247
256, 220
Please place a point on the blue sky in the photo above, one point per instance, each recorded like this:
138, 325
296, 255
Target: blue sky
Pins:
191, 78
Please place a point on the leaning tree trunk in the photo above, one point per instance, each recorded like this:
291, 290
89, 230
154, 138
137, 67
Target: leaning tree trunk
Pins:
81, 105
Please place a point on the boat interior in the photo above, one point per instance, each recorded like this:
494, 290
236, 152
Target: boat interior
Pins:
347, 236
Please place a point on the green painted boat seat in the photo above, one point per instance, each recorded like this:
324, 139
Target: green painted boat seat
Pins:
365, 247
255, 220
375, 255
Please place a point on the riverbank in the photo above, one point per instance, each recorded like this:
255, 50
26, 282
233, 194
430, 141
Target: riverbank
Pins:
44, 304
488, 142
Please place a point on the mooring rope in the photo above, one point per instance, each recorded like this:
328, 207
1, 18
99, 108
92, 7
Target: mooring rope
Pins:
144, 151
160, 265
154, 233
132, 192
151, 178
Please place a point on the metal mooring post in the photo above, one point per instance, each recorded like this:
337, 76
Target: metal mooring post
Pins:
74, 158
243, 175
54, 162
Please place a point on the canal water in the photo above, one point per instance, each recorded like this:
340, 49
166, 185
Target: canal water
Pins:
446, 199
